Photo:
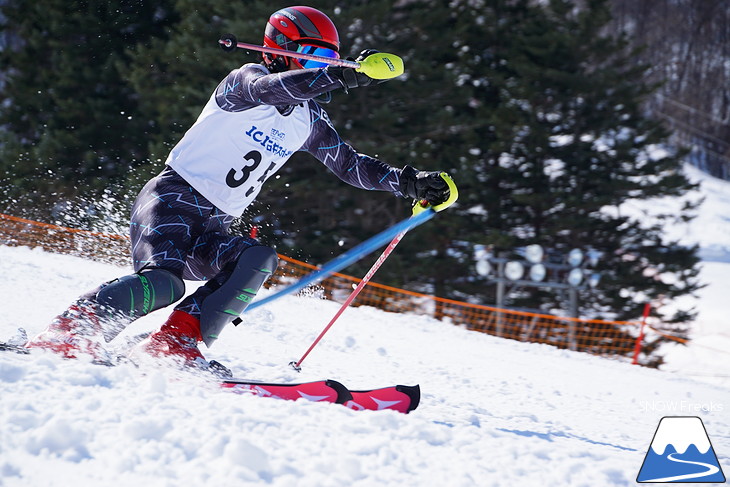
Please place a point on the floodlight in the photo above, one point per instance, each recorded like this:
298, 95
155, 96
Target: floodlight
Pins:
480, 252
534, 253
537, 272
514, 270
483, 267
575, 257
594, 279
575, 277
593, 257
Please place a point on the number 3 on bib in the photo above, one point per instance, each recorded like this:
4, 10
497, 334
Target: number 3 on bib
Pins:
254, 157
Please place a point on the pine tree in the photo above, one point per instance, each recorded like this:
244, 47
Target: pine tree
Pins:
69, 122
402, 121
536, 112
566, 144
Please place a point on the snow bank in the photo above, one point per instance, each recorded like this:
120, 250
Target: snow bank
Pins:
493, 411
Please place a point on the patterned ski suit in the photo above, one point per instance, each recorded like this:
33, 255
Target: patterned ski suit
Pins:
252, 124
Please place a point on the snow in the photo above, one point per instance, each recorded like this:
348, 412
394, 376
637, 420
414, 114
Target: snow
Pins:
493, 411
708, 356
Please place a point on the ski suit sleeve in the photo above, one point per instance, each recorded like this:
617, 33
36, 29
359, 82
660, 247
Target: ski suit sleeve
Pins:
252, 85
359, 170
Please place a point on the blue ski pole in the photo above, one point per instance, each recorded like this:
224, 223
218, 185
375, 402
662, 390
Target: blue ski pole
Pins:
420, 215
344, 260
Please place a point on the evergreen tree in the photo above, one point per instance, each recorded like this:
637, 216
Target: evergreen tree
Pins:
69, 116
401, 121
537, 114
566, 144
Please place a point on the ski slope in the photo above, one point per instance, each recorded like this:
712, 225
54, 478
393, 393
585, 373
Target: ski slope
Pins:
708, 355
493, 411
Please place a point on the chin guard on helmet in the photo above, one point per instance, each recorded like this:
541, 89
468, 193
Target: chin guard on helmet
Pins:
277, 65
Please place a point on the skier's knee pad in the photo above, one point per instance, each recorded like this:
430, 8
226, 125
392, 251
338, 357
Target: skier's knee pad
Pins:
220, 307
130, 297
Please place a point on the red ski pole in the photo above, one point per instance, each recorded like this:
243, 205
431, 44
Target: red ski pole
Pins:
297, 365
419, 207
380, 65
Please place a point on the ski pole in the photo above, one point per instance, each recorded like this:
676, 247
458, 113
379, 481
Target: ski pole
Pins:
380, 65
353, 255
298, 364
418, 208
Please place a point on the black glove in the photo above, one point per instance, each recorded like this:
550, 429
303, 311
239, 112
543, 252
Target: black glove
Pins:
424, 185
351, 78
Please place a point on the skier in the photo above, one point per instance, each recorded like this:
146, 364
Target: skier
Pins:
258, 116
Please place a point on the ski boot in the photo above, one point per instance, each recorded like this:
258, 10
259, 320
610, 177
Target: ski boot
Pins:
73, 333
178, 339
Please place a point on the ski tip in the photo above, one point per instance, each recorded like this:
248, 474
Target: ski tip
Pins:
413, 392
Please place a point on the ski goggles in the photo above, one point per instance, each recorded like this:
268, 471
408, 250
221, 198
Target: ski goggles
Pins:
317, 51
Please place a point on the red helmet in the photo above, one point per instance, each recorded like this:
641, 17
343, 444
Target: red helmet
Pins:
301, 29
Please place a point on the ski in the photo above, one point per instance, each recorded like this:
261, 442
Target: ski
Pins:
399, 398
403, 399
317, 391
7, 347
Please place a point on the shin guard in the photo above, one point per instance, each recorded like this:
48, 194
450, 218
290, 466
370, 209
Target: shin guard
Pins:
123, 300
253, 267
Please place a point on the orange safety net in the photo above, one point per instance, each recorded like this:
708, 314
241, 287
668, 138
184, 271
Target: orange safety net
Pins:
599, 337
594, 336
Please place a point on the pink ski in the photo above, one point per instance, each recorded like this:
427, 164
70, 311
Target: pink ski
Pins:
403, 399
318, 391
